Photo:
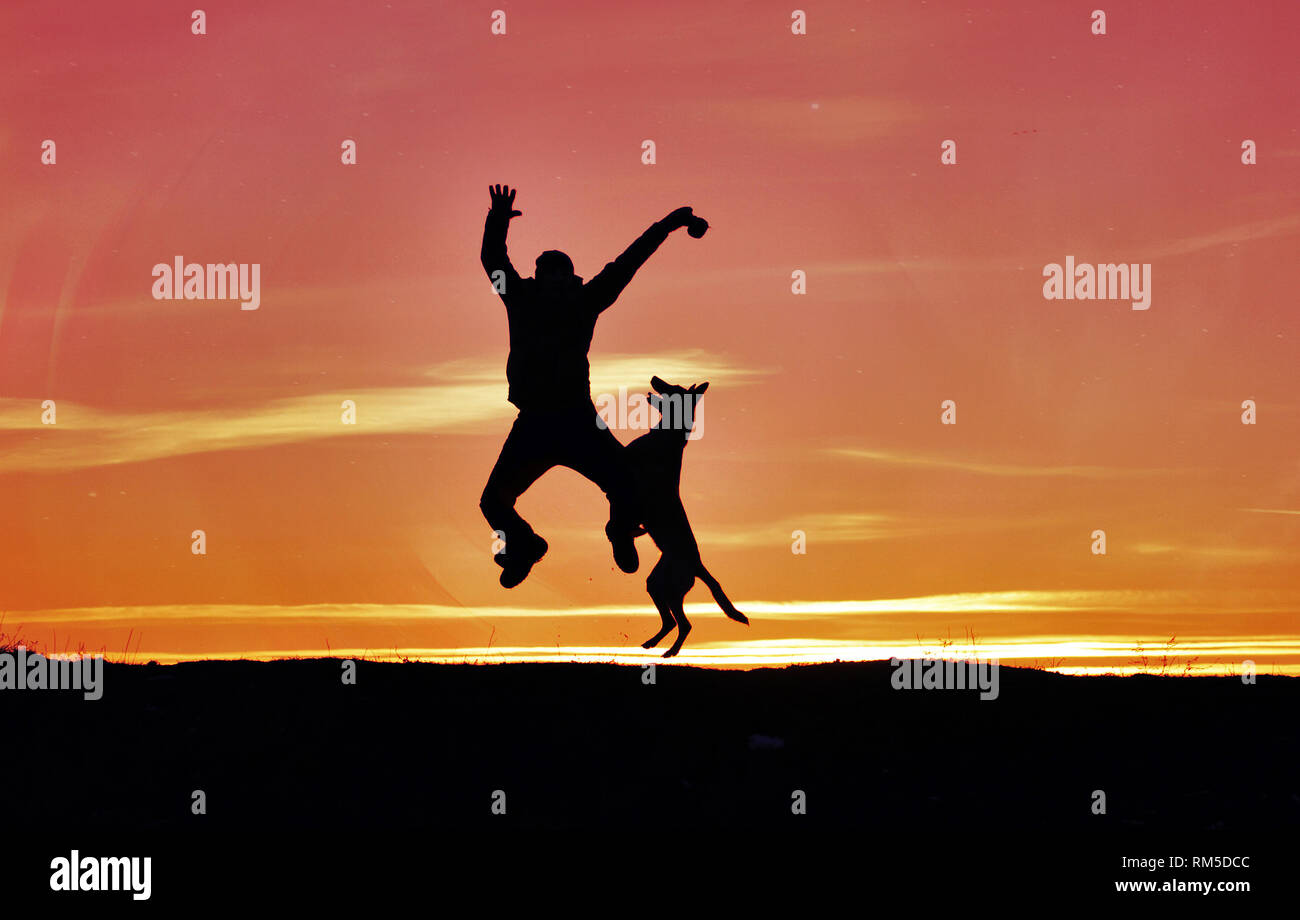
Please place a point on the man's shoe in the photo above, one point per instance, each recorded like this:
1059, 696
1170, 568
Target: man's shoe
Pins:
516, 565
624, 544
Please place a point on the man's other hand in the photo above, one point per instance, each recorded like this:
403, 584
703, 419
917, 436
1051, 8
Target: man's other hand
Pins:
503, 201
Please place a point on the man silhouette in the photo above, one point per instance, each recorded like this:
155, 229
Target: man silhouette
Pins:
552, 317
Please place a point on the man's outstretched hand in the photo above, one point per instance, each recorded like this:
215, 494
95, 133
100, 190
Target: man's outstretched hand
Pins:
503, 201
685, 217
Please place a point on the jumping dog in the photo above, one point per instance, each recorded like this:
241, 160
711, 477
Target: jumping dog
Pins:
655, 461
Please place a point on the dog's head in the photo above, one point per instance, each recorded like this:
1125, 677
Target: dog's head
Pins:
675, 404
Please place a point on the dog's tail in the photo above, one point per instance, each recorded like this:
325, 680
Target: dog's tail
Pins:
718, 595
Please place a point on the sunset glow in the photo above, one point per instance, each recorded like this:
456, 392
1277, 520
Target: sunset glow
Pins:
924, 284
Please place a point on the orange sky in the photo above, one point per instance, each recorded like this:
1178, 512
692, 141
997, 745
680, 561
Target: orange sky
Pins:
818, 153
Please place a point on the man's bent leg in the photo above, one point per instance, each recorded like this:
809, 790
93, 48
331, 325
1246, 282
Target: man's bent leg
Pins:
523, 459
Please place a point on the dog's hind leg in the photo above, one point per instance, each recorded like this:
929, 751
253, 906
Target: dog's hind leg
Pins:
668, 625
683, 627
678, 578
654, 586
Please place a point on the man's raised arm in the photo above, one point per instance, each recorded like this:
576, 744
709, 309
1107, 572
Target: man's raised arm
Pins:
604, 289
494, 257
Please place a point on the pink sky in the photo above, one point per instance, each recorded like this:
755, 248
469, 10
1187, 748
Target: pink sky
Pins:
818, 153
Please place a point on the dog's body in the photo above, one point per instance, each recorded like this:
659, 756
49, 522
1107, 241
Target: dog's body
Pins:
655, 462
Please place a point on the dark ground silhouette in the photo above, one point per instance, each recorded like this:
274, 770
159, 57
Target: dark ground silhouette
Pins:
285, 745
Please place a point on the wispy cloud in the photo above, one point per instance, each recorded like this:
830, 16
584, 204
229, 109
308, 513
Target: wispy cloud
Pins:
1241, 233
868, 628
1213, 554
833, 527
850, 527
1156, 601
989, 469
1108, 655
459, 396
611, 371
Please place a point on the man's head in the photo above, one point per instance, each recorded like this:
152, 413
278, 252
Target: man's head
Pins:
554, 270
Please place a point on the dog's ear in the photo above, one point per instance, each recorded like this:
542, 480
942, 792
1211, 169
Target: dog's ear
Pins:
699, 389
658, 384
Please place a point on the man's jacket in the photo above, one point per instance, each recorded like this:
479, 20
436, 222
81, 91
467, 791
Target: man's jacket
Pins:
550, 336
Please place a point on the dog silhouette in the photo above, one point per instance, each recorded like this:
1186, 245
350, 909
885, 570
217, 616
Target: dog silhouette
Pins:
654, 461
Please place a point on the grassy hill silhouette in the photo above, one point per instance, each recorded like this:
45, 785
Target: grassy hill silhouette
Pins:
286, 744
